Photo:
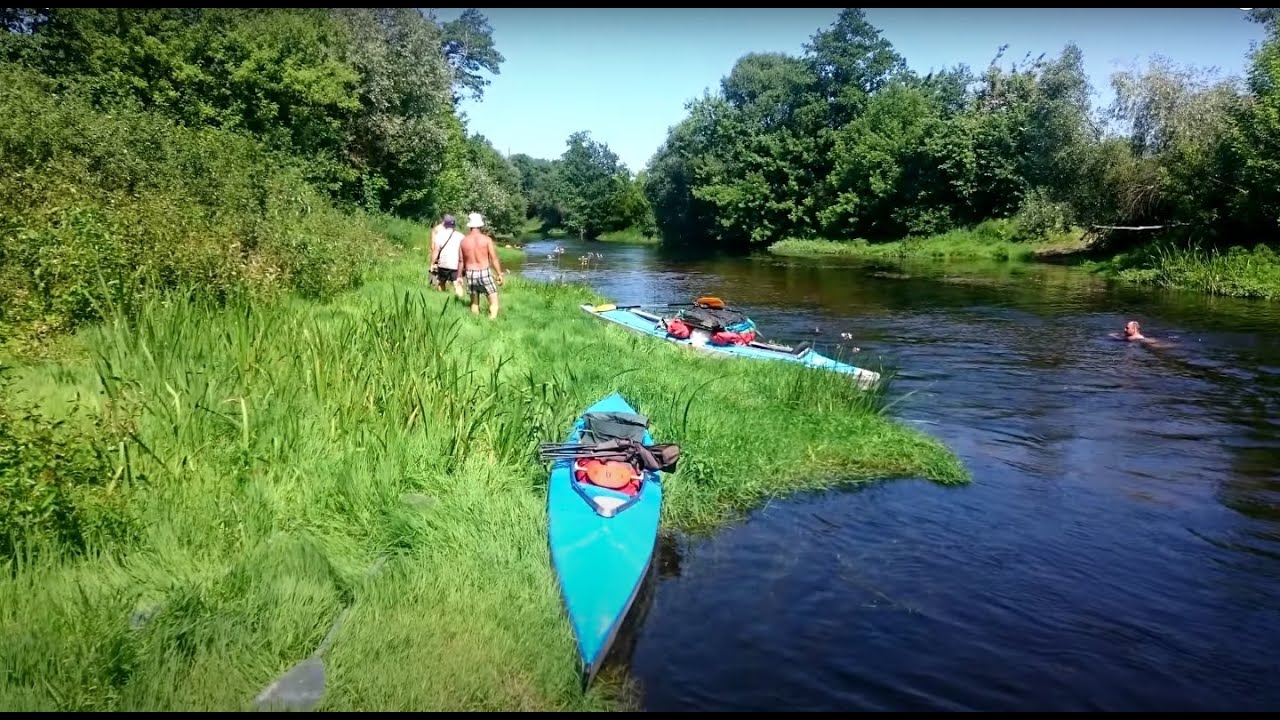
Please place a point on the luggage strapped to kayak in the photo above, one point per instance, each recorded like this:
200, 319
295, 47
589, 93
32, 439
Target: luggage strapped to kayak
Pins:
716, 319
610, 425
723, 325
611, 454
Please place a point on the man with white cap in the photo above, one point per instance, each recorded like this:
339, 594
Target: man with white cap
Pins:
478, 253
445, 244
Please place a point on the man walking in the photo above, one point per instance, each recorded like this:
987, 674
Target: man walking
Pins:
446, 245
478, 253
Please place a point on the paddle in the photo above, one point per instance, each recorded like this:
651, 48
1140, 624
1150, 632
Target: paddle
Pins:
302, 687
706, 301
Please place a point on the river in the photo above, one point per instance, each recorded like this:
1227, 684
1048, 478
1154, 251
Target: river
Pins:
1117, 550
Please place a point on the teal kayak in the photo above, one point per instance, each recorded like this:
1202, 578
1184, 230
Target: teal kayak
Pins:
601, 539
647, 323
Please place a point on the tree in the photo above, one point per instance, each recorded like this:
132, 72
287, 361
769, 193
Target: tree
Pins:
405, 128
590, 180
538, 185
467, 44
852, 61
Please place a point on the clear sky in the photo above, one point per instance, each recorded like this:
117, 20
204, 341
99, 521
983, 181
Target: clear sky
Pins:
626, 74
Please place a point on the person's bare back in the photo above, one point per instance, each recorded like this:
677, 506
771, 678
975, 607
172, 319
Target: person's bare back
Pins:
477, 250
479, 254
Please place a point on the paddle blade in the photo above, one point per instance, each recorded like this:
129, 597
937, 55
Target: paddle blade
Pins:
711, 302
302, 688
606, 307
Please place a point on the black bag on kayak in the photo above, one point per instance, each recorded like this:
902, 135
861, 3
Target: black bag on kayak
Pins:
658, 458
601, 426
715, 319
655, 458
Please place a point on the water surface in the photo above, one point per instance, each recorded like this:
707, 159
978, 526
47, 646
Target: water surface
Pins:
1118, 549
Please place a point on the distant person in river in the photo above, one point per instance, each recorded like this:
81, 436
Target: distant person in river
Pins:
1133, 333
445, 255
478, 255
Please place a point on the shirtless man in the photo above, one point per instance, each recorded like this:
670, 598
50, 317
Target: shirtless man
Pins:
478, 253
1133, 333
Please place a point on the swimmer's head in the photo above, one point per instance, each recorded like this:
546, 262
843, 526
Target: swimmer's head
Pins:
1131, 328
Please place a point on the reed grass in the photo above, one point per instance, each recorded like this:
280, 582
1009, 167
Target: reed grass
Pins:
1232, 272
255, 459
991, 240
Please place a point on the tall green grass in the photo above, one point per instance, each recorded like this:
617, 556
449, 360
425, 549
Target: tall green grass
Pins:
1235, 272
402, 232
255, 459
992, 240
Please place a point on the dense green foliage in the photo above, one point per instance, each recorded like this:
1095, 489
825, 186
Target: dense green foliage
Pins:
587, 191
846, 142
227, 151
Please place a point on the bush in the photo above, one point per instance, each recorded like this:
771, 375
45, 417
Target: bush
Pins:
97, 207
58, 484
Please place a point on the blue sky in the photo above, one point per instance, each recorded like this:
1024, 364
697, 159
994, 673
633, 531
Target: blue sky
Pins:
626, 74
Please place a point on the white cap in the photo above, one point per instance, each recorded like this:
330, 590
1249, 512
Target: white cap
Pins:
475, 220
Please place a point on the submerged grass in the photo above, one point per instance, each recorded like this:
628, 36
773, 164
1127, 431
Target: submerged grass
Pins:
269, 454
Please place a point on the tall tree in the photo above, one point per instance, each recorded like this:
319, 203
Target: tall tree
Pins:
591, 179
852, 61
467, 43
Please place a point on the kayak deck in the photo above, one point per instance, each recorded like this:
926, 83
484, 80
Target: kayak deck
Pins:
647, 323
602, 544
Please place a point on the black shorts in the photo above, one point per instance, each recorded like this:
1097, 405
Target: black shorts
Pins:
446, 274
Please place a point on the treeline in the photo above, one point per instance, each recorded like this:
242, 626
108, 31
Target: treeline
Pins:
228, 150
846, 142
587, 191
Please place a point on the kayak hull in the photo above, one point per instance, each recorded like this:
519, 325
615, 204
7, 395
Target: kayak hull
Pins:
646, 324
602, 546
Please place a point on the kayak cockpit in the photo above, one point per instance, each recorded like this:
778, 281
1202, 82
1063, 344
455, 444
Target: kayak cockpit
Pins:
605, 503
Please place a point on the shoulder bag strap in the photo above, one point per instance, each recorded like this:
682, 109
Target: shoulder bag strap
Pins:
443, 244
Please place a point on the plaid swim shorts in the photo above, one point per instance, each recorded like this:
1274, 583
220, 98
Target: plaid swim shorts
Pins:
480, 282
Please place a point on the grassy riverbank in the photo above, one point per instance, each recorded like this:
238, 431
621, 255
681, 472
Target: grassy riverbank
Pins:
253, 462
1236, 272
992, 240
535, 228
629, 236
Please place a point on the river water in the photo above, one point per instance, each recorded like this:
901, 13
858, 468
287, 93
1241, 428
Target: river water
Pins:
1118, 548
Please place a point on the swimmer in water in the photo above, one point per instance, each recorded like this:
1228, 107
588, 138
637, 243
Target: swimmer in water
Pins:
1133, 332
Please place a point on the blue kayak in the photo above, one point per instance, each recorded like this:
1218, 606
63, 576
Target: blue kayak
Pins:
602, 542
648, 324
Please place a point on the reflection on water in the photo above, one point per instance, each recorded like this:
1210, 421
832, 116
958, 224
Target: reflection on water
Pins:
1119, 548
